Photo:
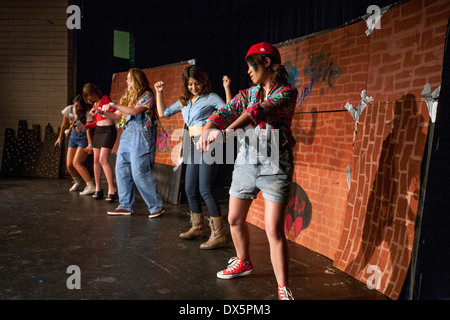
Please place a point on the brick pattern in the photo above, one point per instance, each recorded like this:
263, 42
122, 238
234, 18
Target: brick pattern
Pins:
383, 199
167, 151
406, 54
36, 74
371, 225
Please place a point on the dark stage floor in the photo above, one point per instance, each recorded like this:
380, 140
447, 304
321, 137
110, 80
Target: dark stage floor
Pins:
44, 229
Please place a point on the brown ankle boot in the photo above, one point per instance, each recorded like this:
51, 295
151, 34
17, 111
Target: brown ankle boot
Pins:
197, 227
218, 233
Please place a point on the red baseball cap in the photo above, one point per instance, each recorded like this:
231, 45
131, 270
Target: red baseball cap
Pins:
264, 48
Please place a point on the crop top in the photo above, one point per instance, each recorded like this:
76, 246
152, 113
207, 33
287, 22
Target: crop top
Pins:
99, 117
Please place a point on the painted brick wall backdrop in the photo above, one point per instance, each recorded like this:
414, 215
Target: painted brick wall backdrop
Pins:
364, 224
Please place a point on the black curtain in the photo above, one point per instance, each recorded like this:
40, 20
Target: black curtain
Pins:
217, 33
429, 278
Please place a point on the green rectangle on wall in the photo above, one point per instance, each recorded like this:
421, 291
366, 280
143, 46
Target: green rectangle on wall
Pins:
122, 44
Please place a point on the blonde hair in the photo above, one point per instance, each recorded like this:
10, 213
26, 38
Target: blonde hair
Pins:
139, 84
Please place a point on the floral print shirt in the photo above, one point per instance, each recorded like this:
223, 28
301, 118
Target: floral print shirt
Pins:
277, 110
146, 100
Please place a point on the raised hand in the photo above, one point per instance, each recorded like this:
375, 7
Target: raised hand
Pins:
159, 86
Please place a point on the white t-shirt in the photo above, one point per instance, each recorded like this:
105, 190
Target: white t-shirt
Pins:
67, 112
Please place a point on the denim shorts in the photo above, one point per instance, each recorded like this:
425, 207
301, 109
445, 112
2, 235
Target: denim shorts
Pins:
272, 178
77, 140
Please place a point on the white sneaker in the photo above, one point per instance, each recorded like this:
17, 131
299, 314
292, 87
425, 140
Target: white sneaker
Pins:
76, 185
90, 189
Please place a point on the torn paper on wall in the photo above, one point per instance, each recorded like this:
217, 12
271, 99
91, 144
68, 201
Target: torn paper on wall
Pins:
349, 175
356, 112
431, 99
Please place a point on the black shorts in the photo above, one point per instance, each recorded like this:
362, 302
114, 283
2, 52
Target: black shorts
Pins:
104, 137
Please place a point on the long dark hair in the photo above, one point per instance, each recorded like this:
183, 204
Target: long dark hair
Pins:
81, 114
198, 74
277, 70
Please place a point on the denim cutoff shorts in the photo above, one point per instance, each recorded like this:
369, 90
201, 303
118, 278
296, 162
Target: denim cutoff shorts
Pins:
273, 178
77, 140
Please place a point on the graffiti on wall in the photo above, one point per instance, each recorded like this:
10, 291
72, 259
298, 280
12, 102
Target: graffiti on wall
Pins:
321, 68
292, 72
299, 210
306, 91
163, 140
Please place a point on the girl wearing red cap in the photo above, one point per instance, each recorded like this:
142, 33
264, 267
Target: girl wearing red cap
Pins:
263, 109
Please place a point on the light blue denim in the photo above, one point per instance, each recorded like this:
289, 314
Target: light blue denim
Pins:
255, 170
134, 165
77, 139
197, 113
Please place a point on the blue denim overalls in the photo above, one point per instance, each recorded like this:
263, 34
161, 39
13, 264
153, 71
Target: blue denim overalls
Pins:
134, 164
77, 139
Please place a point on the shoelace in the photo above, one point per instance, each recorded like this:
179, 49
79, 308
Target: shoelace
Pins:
284, 293
233, 264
